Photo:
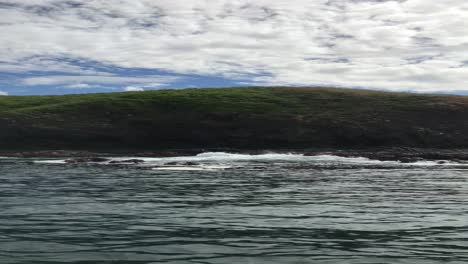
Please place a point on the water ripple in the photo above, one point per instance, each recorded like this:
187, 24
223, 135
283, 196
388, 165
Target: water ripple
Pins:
287, 212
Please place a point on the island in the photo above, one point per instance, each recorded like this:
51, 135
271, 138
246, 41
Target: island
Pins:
385, 125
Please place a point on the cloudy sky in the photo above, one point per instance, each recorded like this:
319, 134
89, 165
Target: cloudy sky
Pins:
58, 46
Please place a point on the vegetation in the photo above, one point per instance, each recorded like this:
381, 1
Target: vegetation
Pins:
244, 118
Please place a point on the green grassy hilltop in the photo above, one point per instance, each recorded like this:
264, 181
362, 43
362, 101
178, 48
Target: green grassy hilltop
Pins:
269, 118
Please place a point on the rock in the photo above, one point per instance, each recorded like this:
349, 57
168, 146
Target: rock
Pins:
134, 161
189, 163
409, 160
86, 159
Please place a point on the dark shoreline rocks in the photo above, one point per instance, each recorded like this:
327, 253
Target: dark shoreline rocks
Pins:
132, 161
86, 159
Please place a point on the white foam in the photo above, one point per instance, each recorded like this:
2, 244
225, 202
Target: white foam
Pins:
221, 156
354, 160
50, 161
224, 160
292, 157
436, 163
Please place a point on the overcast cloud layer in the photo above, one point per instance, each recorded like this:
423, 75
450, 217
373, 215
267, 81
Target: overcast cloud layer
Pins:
56, 46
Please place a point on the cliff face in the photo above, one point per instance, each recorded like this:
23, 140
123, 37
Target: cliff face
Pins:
268, 118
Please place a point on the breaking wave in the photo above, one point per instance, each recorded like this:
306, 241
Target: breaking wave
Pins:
224, 157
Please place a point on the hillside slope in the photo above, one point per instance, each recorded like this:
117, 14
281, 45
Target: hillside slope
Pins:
244, 118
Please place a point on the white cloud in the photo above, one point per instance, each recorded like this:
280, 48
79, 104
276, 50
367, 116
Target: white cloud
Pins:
78, 86
133, 89
2, 93
396, 45
77, 79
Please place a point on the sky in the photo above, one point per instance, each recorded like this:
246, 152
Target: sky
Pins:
66, 46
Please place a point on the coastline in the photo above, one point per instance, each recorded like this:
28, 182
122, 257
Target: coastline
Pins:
247, 120
403, 154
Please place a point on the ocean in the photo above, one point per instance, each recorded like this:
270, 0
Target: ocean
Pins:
233, 208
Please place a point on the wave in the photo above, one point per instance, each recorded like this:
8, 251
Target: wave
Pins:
292, 157
50, 161
224, 157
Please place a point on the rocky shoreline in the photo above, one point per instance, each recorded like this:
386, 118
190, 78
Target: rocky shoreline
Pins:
390, 154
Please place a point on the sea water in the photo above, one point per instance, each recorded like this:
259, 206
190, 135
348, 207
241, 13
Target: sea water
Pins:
233, 208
